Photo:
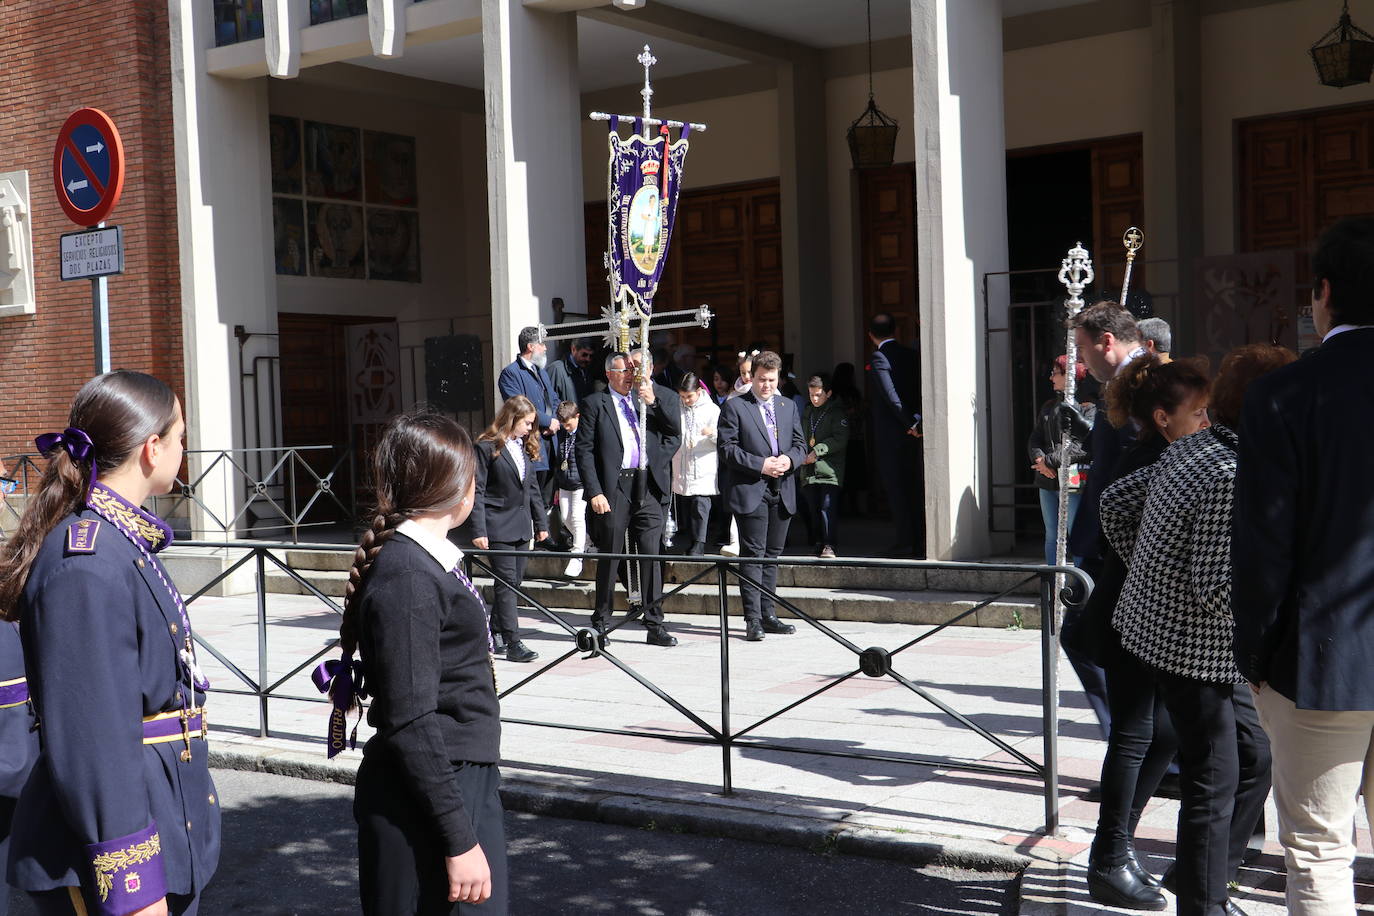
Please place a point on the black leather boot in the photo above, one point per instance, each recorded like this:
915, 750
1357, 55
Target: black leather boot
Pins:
1118, 885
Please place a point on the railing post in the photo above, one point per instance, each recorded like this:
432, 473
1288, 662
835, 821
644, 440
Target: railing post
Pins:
1049, 679
295, 510
727, 780
262, 641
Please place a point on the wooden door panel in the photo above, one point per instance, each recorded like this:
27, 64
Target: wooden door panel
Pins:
887, 240
1299, 174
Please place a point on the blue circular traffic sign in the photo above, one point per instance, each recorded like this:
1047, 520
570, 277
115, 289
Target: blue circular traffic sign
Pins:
88, 166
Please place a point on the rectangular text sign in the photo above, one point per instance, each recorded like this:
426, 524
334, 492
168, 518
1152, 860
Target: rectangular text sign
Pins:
92, 253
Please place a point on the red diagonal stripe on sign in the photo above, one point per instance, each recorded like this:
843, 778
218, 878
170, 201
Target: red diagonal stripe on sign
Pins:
85, 166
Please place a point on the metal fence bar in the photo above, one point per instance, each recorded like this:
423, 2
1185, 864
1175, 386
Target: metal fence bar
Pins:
1075, 592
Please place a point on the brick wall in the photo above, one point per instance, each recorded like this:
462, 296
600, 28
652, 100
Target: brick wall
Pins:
61, 55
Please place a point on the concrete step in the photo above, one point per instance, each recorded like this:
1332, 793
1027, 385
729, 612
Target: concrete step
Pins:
320, 560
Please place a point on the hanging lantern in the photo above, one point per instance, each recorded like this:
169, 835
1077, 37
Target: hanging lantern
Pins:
873, 135
1344, 56
872, 138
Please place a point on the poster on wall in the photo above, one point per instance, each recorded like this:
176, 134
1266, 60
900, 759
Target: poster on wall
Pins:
288, 235
374, 372
393, 245
333, 161
336, 240
285, 141
390, 169
1243, 299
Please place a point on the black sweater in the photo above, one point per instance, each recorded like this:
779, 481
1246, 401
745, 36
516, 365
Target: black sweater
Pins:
423, 645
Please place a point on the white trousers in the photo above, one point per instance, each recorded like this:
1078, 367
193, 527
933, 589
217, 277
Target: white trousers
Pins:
574, 510
1323, 761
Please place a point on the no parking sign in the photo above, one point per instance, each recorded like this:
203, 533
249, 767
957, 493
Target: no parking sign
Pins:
88, 166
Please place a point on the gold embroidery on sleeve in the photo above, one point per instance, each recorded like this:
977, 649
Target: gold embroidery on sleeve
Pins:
107, 864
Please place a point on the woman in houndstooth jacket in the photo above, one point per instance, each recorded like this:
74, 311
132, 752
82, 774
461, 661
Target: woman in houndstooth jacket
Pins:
1173, 521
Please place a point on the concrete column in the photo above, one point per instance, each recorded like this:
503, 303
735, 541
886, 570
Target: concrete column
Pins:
961, 209
803, 181
1173, 159
224, 223
534, 168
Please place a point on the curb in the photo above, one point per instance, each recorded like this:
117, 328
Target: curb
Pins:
529, 796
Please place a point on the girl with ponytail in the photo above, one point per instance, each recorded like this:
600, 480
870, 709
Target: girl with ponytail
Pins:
119, 815
430, 832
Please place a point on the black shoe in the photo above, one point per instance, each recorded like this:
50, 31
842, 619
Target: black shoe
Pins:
1232, 909
498, 643
602, 629
1118, 886
517, 651
659, 636
1166, 880
1139, 870
1093, 793
753, 632
774, 625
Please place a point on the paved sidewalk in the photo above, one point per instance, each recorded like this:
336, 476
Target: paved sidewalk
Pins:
889, 808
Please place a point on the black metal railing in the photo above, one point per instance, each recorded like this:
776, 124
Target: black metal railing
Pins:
727, 734
267, 491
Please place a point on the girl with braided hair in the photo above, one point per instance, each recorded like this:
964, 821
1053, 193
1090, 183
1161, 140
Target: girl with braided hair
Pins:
430, 832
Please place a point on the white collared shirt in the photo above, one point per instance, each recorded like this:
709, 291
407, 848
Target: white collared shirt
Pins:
627, 435
1342, 328
1134, 354
515, 447
446, 553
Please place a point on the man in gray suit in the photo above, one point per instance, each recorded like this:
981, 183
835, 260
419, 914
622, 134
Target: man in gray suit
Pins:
760, 447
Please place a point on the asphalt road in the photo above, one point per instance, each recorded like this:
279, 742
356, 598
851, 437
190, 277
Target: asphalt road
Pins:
289, 847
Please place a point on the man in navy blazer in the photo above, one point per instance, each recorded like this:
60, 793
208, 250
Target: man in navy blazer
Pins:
760, 449
526, 375
1302, 586
894, 384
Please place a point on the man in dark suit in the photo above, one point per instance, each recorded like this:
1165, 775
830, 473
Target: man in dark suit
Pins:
626, 467
893, 383
1107, 339
525, 375
761, 449
1302, 588
571, 376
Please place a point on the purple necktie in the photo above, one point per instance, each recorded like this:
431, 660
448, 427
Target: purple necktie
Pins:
463, 578
629, 413
770, 421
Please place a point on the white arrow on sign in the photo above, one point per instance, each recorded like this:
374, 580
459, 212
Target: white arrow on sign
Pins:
97, 148
74, 186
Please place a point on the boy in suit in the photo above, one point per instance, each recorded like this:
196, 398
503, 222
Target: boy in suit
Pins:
760, 448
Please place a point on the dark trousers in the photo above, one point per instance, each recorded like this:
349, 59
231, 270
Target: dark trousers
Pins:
638, 512
693, 514
6, 820
1223, 758
401, 866
762, 533
504, 617
1141, 747
822, 513
898, 466
1090, 674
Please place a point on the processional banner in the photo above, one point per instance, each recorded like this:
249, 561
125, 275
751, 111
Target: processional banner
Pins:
644, 178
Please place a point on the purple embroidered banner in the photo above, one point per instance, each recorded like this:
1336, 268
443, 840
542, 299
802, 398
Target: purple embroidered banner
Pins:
641, 201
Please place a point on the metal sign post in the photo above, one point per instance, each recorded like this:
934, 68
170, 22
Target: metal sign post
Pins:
88, 174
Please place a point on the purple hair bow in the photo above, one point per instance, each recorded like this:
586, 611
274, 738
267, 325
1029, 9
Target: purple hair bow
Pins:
342, 679
75, 442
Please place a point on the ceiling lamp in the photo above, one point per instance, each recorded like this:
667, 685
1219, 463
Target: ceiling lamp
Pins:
873, 135
1344, 56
